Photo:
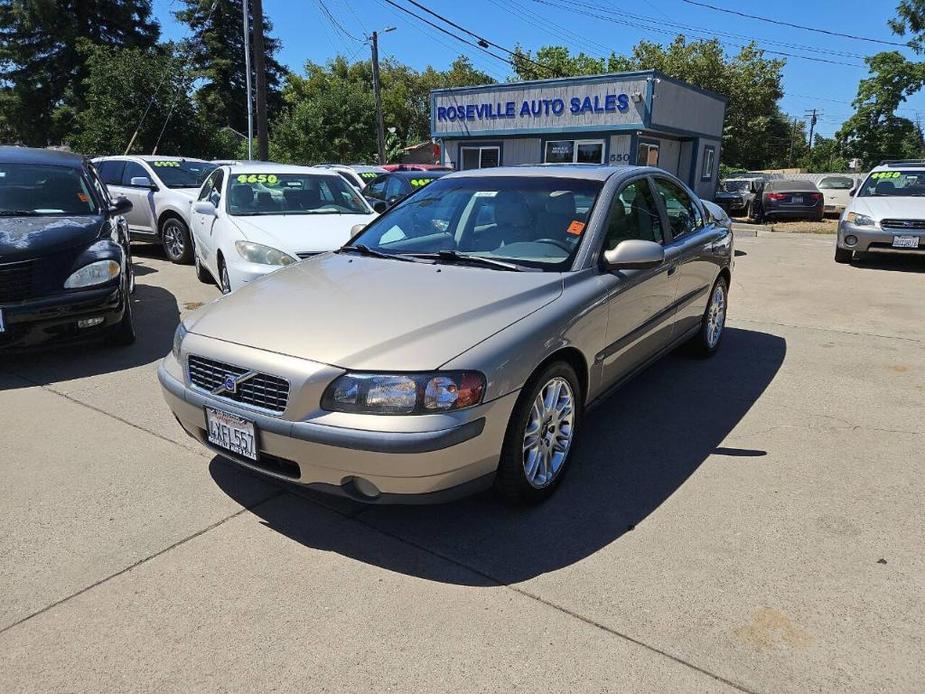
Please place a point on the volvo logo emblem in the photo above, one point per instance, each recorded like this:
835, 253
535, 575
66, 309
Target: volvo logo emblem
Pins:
231, 382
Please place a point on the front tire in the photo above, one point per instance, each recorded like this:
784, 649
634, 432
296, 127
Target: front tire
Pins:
540, 436
843, 256
123, 333
713, 324
224, 281
176, 240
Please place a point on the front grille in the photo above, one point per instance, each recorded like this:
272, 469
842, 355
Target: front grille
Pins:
916, 224
263, 390
15, 281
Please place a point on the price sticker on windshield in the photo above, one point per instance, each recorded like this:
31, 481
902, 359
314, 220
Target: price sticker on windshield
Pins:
166, 164
266, 179
368, 174
576, 228
420, 182
885, 174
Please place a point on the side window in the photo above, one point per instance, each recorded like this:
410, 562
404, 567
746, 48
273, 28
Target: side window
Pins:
633, 215
683, 214
376, 189
133, 170
212, 189
394, 188
111, 172
98, 185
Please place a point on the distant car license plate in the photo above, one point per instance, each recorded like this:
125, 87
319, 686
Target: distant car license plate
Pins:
232, 433
906, 241
796, 199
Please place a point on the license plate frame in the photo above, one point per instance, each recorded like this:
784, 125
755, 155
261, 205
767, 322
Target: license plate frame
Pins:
905, 241
232, 433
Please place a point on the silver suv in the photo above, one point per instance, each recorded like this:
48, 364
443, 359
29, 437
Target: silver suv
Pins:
887, 214
162, 190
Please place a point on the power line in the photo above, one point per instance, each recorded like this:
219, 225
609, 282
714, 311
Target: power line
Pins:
794, 26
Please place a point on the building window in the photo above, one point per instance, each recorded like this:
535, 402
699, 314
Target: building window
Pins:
709, 161
574, 152
647, 154
480, 157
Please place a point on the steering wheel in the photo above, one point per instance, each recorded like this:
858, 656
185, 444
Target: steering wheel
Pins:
555, 242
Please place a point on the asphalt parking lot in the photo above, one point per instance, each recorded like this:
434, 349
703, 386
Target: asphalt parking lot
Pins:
749, 523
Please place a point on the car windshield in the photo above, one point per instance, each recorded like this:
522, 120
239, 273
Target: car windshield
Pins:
894, 184
735, 186
32, 189
528, 221
836, 183
292, 193
182, 173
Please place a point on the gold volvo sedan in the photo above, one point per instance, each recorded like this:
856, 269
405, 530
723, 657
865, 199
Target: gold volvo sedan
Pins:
455, 342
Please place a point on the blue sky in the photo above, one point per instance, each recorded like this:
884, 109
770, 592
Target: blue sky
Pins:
307, 34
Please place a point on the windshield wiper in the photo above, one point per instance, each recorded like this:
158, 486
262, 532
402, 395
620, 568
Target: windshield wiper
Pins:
457, 257
363, 249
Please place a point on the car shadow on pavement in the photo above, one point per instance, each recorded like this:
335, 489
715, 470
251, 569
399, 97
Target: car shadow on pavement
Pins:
890, 262
156, 319
637, 448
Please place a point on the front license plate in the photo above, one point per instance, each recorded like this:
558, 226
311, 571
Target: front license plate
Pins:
796, 199
232, 433
906, 242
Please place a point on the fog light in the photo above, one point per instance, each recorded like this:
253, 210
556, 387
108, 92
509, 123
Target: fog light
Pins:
90, 322
365, 487
851, 239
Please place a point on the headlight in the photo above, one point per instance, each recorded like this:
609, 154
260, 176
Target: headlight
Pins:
99, 272
423, 393
178, 336
263, 255
859, 220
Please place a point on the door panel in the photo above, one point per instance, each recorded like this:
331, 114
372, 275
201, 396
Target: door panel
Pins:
142, 216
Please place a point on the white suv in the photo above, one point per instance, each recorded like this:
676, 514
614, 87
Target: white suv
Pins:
162, 190
887, 214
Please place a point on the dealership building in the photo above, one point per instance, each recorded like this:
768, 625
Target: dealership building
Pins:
618, 119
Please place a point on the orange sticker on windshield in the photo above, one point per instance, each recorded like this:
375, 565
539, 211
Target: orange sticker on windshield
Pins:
575, 228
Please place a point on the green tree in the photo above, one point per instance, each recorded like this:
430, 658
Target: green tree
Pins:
216, 51
755, 131
910, 18
43, 69
825, 156
117, 94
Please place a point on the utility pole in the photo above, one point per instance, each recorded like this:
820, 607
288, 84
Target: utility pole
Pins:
380, 125
247, 69
260, 72
813, 119
793, 135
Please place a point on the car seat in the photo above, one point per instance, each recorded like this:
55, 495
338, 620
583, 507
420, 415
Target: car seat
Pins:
885, 188
265, 202
242, 197
560, 213
60, 193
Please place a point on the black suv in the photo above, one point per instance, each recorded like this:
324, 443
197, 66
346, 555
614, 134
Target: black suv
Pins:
65, 265
386, 189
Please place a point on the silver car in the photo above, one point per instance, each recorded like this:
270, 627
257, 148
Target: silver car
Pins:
162, 190
456, 341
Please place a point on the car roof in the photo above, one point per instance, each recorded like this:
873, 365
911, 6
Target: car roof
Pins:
264, 167
416, 174
789, 184
30, 155
148, 157
914, 165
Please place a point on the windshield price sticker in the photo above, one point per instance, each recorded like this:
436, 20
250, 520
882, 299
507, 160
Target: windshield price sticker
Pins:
166, 164
886, 174
420, 182
266, 179
368, 174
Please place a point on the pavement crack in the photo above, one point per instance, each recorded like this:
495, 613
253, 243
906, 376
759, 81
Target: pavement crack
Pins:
144, 560
838, 331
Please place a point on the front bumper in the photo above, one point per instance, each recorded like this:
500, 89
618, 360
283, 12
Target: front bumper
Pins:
54, 318
872, 239
413, 459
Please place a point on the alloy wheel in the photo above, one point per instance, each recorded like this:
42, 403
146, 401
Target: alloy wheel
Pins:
173, 239
716, 315
549, 432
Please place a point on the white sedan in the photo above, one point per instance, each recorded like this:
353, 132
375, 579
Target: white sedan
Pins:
251, 219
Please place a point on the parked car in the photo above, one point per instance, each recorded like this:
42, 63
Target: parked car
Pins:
785, 199
65, 263
416, 167
837, 192
161, 190
456, 341
887, 215
735, 196
388, 188
348, 174
367, 172
250, 220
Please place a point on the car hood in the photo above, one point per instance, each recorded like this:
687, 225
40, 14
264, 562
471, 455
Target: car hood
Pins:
301, 233
890, 207
30, 237
375, 314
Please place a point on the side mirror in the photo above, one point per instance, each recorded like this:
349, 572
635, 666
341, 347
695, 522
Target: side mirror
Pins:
142, 182
634, 254
120, 205
204, 207
380, 206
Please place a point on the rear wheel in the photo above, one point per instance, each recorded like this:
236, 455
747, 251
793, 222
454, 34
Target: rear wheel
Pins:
713, 324
539, 438
843, 255
175, 238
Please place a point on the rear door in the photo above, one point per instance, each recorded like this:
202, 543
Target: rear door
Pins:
142, 218
689, 250
640, 302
